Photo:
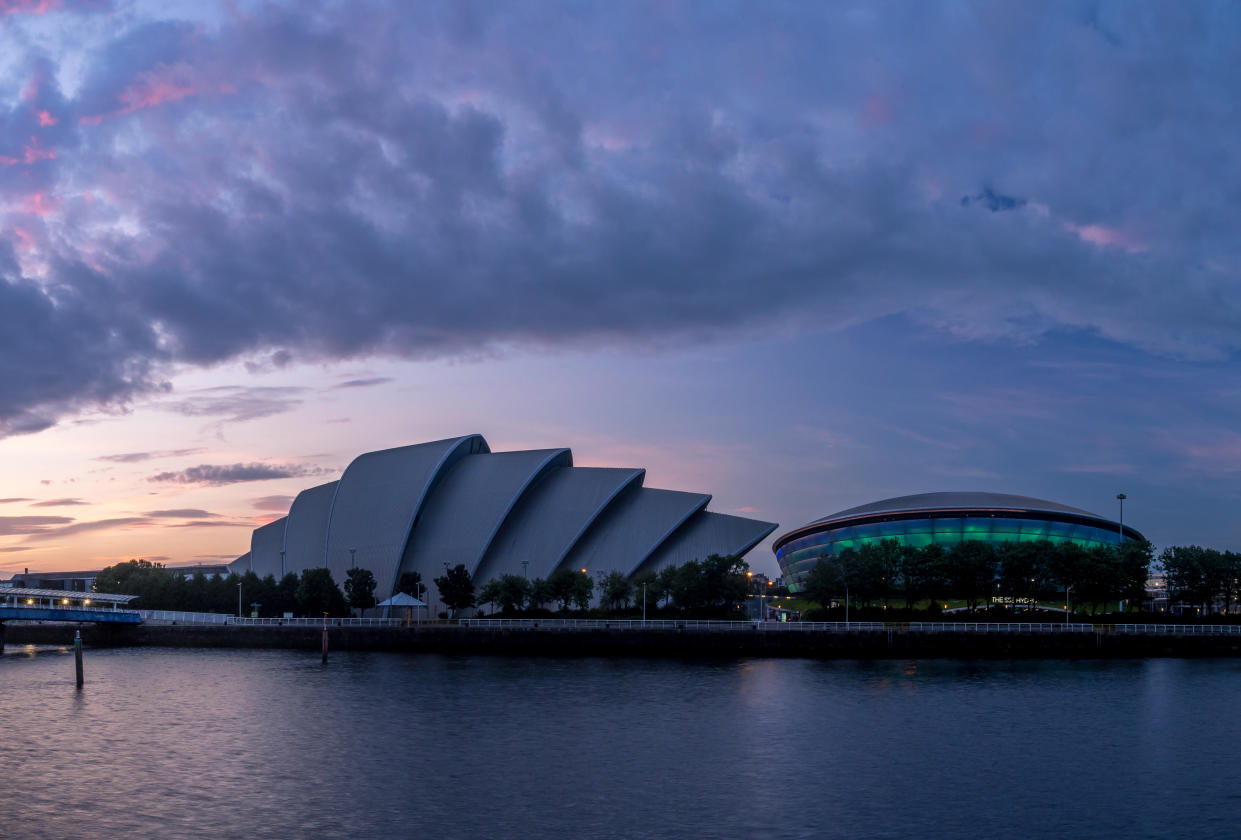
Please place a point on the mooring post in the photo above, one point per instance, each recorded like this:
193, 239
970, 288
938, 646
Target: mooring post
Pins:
77, 654
325, 638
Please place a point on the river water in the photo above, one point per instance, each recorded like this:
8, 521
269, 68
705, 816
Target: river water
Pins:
232, 744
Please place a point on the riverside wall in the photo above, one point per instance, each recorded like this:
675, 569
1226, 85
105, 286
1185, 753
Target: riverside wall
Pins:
892, 643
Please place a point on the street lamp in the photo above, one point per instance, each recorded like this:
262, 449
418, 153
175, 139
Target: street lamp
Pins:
353, 558
239, 599
643, 602
282, 564
525, 569
1120, 497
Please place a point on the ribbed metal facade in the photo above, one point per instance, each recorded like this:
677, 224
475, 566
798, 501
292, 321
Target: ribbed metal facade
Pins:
423, 507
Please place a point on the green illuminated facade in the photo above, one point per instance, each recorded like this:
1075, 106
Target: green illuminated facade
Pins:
946, 519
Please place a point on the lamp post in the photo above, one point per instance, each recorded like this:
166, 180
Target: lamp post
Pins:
644, 602
239, 599
353, 558
1120, 497
282, 563
525, 569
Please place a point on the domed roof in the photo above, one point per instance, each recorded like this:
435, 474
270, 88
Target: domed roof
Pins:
955, 501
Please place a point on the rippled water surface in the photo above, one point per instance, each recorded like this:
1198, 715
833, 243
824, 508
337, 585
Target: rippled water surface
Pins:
231, 744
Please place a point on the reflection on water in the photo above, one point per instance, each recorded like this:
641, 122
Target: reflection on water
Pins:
175, 743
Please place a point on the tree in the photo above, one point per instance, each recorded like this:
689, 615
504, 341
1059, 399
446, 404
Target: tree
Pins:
973, 570
284, 596
724, 580
583, 590
617, 590
410, 583
825, 581
317, 593
561, 586
540, 593
456, 588
360, 588
513, 591
667, 583
490, 593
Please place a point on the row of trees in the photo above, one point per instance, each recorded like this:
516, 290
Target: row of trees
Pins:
717, 584
975, 572
1202, 577
312, 593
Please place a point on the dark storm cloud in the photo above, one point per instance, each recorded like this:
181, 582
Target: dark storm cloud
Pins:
220, 474
311, 183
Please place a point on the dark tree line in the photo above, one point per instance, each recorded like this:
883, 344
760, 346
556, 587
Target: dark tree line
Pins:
311, 594
714, 585
1202, 578
976, 572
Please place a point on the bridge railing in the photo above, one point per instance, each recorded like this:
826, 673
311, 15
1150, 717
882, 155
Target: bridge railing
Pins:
854, 626
176, 617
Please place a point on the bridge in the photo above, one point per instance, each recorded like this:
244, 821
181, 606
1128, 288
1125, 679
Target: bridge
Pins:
17, 604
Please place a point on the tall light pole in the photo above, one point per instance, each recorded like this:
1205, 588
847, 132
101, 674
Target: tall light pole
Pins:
353, 558
1121, 498
282, 563
525, 569
643, 602
239, 599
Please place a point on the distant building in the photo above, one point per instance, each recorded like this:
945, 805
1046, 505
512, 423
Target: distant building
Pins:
214, 570
943, 518
62, 581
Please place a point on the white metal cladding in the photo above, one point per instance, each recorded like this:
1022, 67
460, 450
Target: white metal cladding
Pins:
632, 527
266, 543
305, 537
242, 564
704, 534
471, 502
378, 501
552, 516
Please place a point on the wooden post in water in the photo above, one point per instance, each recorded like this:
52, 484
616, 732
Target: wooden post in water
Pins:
324, 638
77, 654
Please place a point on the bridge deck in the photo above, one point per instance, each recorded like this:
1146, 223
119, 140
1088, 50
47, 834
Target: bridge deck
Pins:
21, 604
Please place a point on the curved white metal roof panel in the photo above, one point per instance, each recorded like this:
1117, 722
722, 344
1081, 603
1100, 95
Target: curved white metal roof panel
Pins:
460, 519
242, 564
633, 527
930, 501
548, 521
266, 543
305, 537
378, 500
708, 533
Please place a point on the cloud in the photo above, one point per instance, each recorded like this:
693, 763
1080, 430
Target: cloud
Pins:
13, 525
59, 503
85, 527
365, 383
14, 499
182, 513
138, 457
279, 504
214, 475
213, 524
291, 185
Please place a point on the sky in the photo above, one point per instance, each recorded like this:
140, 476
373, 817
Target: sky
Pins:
800, 256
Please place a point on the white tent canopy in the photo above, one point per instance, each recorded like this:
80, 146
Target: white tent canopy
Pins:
400, 599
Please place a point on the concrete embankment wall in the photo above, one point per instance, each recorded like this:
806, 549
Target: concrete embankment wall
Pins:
684, 642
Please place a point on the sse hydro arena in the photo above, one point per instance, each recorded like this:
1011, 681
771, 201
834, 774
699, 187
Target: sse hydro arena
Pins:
944, 518
423, 507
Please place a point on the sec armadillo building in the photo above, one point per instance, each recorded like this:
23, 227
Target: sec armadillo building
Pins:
946, 519
418, 508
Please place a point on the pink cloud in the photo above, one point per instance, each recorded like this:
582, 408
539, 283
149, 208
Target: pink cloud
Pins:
158, 87
46, 119
38, 204
31, 7
34, 153
1104, 237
